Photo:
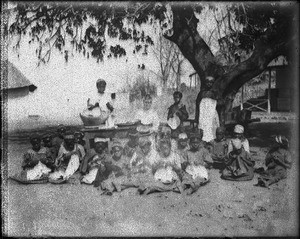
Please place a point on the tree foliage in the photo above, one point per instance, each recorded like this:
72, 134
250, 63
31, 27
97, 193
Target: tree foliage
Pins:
260, 32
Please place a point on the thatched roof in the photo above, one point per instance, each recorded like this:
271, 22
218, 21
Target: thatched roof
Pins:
15, 78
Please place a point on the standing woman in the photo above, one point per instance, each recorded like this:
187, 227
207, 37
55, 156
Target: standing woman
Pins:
206, 114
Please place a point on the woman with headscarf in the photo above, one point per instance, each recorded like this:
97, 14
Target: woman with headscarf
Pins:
238, 163
206, 113
278, 160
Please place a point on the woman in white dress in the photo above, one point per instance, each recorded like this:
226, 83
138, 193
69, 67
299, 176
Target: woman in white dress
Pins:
206, 113
147, 115
101, 104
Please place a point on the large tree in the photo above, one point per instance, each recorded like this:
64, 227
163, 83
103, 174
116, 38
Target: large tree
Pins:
267, 30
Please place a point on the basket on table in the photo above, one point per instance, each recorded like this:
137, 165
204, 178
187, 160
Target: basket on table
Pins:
89, 120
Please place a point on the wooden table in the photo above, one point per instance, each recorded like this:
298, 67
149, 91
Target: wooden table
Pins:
91, 133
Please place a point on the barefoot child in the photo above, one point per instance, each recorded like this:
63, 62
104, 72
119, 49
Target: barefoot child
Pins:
278, 160
94, 160
196, 160
218, 148
33, 165
69, 157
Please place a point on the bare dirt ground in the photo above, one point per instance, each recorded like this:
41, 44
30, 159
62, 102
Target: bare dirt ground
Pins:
220, 208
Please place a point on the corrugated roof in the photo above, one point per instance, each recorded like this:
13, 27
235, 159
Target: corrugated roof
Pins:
16, 79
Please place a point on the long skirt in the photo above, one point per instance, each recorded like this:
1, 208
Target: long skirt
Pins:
208, 119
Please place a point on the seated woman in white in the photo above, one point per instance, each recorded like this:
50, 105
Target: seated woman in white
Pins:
148, 116
101, 103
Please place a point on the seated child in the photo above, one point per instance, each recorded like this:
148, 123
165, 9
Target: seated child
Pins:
145, 156
194, 164
177, 111
239, 134
182, 144
278, 160
47, 141
164, 133
218, 148
79, 135
139, 170
59, 138
131, 146
238, 163
68, 160
94, 160
113, 171
33, 165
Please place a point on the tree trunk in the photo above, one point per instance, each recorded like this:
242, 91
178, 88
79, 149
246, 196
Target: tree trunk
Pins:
196, 51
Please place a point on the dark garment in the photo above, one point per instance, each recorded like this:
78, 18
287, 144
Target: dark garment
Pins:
218, 150
56, 142
84, 166
179, 110
239, 166
104, 172
51, 156
278, 160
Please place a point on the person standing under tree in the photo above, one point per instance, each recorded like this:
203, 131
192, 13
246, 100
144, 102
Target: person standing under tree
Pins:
206, 114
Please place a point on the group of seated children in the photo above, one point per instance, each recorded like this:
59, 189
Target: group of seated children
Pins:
150, 162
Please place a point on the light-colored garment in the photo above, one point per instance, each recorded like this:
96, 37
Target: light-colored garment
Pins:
72, 167
245, 145
67, 170
208, 119
37, 171
197, 171
166, 165
102, 99
166, 175
148, 117
91, 176
151, 158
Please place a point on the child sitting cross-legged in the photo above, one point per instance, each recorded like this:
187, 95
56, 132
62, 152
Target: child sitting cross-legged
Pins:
94, 160
194, 165
278, 160
218, 148
68, 160
112, 171
34, 163
165, 171
238, 163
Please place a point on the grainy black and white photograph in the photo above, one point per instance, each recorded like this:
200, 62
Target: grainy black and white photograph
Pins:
150, 119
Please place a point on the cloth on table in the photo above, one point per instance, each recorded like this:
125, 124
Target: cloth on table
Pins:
208, 119
239, 167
